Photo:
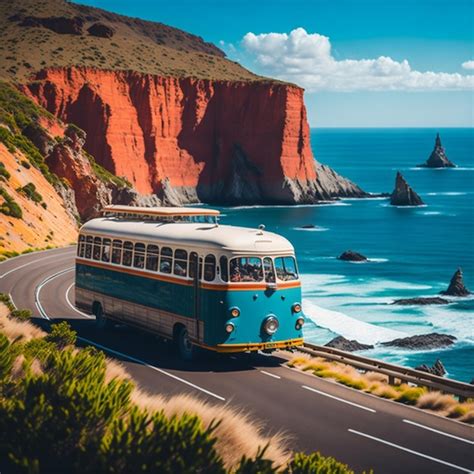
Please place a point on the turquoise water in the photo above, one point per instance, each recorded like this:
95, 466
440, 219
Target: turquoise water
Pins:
414, 251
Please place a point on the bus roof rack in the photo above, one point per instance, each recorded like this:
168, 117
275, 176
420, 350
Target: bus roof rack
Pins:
158, 213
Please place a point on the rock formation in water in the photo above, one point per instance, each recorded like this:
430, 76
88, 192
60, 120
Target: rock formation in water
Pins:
436, 369
421, 301
456, 285
347, 345
423, 341
350, 256
438, 158
403, 194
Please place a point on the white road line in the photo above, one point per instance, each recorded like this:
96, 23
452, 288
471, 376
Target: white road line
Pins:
35, 252
11, 299
68, 301
339, 399
437, 431
26, 264
270, 375
112, 351
416, 453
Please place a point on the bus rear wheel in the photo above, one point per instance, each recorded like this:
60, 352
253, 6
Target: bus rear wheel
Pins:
101, 321
187, 350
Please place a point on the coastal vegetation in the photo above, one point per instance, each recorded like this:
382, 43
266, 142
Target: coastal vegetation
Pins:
378, 384
9, 206
88, 412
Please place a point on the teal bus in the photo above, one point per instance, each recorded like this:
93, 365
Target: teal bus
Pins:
178, 273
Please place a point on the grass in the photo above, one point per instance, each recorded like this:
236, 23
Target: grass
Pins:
105, 175
377, 384
9, 207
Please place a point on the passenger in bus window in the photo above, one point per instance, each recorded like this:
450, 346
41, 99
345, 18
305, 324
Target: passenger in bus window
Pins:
106, 250
269, 271
127, 254
166, 259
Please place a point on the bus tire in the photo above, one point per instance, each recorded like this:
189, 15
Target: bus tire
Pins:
101, 321
187, 350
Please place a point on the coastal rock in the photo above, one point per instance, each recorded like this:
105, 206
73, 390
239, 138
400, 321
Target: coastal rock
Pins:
436, 369
39, 137
350, 256
100, 30
456, 286
308, 226
423, 341
194, 140
438, 158
347, 345
421, 301
403, 194
58, 24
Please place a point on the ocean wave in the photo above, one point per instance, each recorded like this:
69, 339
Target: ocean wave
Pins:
432, 213
312, 229
348, 327
404, 207
447, 193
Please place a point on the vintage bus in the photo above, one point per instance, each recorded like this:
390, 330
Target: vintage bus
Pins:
178, 273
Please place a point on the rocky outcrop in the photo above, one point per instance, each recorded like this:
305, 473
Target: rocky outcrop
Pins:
422, 342
456, 285
189, 140
58, 24
347, 345
100, 30
436, 369
421, 301
438, 158
350, 256
403, 194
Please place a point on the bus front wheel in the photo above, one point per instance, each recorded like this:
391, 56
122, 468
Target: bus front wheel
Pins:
101, 321
187, 350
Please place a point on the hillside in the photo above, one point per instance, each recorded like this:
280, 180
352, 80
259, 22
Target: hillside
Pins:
53, 33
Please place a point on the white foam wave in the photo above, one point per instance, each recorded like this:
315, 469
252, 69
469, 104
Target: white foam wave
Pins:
404, 207
378, 260
432, 213
348, 327
312, 229
447, 193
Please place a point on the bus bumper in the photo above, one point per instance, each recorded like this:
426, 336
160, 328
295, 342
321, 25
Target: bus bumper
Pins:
255, 346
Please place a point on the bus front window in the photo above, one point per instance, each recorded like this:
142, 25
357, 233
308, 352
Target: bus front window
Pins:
286, 268
246, 269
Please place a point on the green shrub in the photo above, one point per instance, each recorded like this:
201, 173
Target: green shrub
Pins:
10, 207
61, 335
410, 395
5, 358
316, 464
29, 190
6, 300
105, 175
21, 314
25, 164
4, 172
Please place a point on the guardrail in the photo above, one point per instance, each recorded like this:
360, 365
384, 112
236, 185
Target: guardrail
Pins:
403, 374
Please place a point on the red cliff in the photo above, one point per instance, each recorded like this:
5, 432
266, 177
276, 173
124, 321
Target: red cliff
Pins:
188, 139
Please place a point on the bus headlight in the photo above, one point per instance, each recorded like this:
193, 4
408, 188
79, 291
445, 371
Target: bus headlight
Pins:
296, 308
299, 323
235, 312
229, 327
271, 325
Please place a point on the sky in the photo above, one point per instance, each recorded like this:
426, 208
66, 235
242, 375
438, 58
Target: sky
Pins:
362, 63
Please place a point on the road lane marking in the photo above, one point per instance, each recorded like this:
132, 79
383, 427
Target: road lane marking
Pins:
68, 301
416, 453
45, 315
270, 375
26, 264
36, 252
362, 407
437, 431
11, 299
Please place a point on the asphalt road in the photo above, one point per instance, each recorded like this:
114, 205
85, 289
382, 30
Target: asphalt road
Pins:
358, 429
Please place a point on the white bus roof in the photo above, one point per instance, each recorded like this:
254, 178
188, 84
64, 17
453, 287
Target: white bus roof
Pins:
237, 240
160, 211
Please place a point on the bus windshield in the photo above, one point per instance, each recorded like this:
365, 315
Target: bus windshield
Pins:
257, 269
245, 269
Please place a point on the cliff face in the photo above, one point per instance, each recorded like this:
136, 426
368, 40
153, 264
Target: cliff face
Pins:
186, 139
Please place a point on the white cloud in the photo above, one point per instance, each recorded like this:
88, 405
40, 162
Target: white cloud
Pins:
306, 59
468, 65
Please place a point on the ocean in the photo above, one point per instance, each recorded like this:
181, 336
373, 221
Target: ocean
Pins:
412, 251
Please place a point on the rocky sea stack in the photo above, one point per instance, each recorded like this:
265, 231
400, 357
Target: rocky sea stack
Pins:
456, 285
403, 194
436, 369
420, 301
347, 345
438, 158
350, 256
422, 342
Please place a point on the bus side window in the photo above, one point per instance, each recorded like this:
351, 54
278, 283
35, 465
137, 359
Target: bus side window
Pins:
166, 260
209, 267
193, 258
81, 246
88, 251
152, 257
269, 270
139, 256
97, 248
224, 269
127, 254
180, 262
117, 252
106, 250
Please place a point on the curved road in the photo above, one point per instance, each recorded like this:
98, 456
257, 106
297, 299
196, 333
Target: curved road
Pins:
358, 429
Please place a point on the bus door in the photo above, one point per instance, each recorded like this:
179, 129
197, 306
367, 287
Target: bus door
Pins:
195, 272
